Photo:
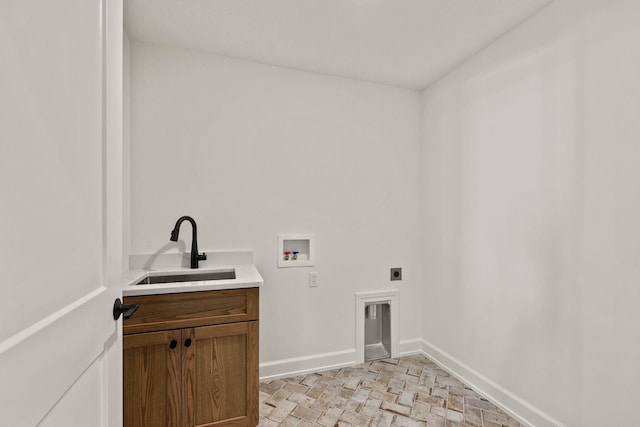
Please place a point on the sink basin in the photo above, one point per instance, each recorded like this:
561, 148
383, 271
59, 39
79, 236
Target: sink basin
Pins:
189, 277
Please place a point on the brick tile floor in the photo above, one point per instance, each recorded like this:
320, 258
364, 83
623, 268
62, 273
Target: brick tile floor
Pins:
406, 392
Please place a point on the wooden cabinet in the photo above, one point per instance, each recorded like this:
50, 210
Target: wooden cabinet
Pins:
191, 359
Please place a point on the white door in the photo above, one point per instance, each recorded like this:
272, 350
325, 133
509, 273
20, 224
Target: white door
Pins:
60, 359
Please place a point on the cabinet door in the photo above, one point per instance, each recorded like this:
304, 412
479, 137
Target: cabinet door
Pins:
152, 379
220, 375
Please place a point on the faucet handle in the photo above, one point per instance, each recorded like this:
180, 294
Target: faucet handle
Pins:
202, 256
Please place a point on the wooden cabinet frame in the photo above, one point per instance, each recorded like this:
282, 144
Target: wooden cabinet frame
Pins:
197, 376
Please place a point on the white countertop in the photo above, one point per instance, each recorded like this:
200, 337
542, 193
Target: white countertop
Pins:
247, 276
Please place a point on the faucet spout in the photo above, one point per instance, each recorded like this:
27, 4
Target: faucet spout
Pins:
195, 256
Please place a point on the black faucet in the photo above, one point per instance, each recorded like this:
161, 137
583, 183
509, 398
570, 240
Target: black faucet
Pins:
195, 256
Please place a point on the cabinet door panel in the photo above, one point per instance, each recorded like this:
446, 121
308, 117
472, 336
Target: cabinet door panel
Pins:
220, 369
152, 379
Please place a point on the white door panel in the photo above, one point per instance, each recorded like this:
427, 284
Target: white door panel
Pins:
50, 156
59, 358
39, 369
81, 406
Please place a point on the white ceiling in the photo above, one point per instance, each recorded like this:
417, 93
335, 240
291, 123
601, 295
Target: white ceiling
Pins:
407, 43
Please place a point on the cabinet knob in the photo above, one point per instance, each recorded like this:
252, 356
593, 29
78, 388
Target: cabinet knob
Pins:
173, 344
187, 343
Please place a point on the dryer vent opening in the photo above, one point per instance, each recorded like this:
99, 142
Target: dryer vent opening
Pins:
377, 331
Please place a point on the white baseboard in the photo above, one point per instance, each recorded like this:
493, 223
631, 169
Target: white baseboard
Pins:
323, 362
307, 364
515, 406
410, 347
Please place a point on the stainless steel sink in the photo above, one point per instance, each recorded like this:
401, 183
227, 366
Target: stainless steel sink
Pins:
189, 277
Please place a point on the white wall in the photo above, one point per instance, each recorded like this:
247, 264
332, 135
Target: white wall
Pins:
531, 202
251, 151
